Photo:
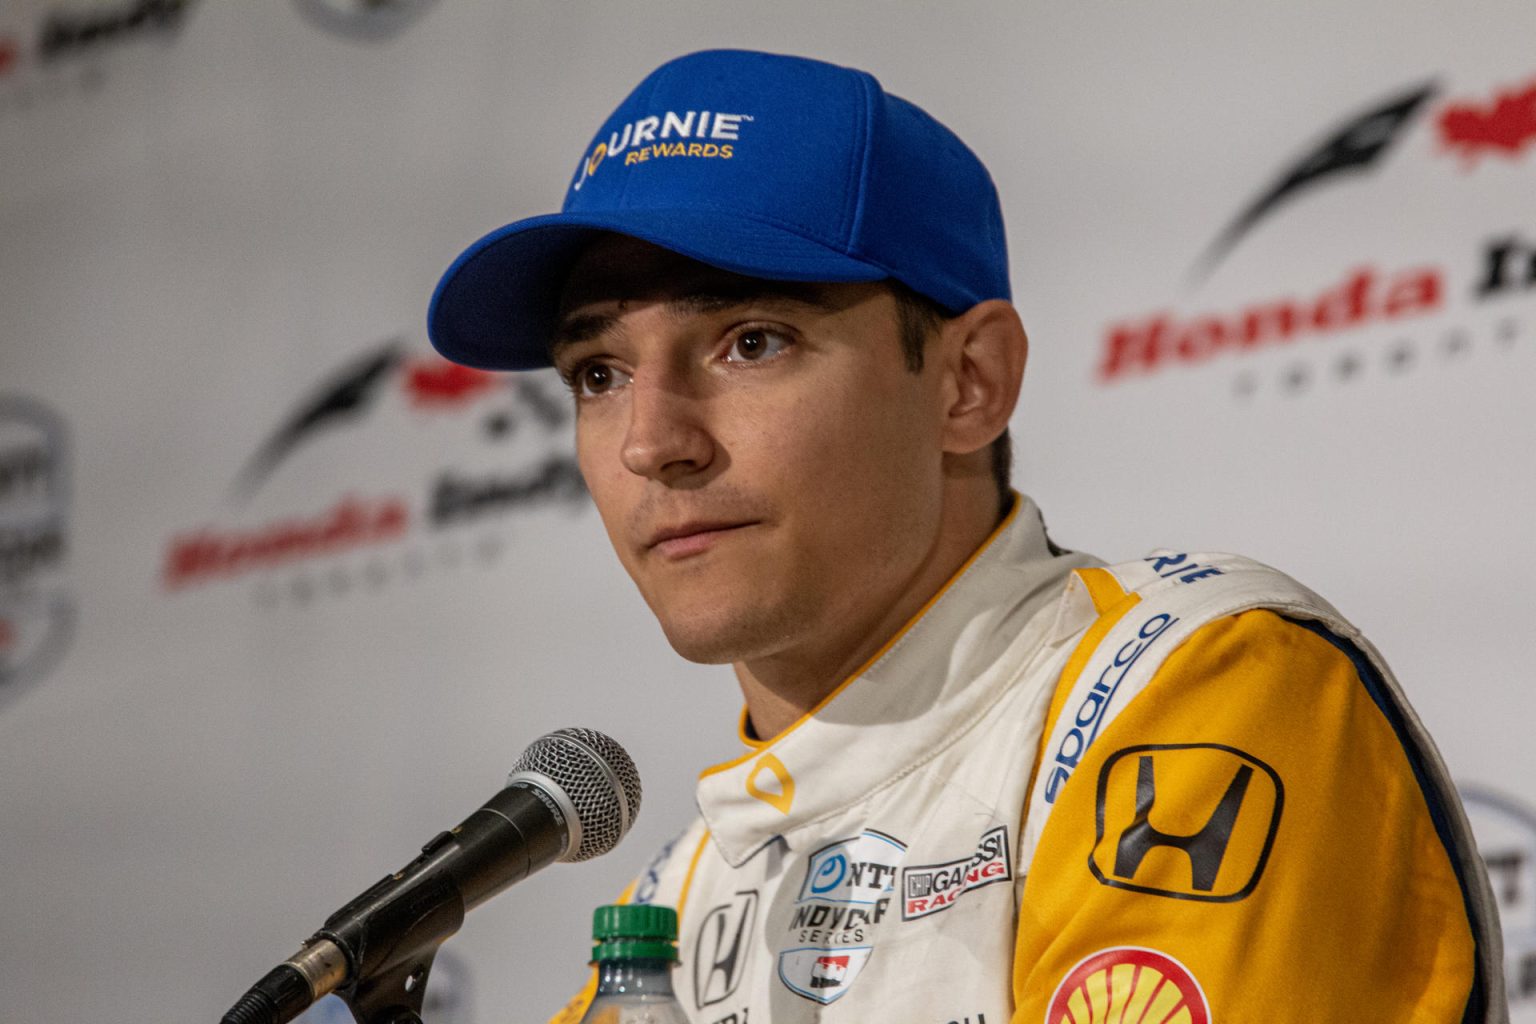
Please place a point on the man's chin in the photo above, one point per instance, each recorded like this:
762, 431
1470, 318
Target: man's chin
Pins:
706, 648
714, 639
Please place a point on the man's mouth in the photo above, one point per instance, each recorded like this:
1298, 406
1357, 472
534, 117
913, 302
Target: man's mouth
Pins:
693, 538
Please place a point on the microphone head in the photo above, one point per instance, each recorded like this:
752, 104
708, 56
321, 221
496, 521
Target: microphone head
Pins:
594, 782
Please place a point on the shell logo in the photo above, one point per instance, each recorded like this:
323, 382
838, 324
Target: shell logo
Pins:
1128, 985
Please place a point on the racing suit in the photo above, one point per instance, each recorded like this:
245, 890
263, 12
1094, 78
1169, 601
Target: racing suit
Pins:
1172, 791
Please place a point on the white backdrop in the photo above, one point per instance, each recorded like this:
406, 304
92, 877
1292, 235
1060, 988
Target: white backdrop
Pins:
282, 595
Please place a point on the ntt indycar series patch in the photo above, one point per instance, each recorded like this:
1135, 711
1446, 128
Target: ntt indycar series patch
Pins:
1178, 790
846, 893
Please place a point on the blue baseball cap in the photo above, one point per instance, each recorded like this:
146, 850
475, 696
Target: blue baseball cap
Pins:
765, 165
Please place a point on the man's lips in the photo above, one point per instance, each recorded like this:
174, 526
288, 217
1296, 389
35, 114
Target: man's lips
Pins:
691, 538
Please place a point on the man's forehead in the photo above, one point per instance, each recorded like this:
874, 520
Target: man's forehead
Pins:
620, 269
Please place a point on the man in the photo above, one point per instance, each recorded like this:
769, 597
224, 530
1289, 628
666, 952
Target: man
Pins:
985, 779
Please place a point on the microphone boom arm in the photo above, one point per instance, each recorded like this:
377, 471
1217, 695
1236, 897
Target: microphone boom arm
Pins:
572, 795
376, 952
393, 930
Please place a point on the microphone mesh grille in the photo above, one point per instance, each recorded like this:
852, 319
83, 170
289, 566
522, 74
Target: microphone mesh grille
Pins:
598, 777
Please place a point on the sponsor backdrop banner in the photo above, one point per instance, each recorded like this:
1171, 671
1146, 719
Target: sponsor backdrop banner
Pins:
282, 594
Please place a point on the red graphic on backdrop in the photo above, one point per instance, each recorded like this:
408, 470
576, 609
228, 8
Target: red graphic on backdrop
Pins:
1366, 296
7, 636
8, 54
439, 382
352, 522
1507, 125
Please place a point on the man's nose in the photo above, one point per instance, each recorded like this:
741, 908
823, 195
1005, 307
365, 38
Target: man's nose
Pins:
667, 438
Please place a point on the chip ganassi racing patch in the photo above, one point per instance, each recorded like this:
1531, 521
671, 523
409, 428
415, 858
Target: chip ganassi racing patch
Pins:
930, 888
1128, 983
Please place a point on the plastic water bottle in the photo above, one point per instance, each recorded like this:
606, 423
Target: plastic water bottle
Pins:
634, 948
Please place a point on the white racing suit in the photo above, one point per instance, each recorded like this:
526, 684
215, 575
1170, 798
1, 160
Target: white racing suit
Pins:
1173, 791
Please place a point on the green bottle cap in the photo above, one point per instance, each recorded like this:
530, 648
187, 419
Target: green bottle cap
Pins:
635, 931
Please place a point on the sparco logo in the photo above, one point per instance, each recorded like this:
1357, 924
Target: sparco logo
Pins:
364, 19
934, 887
720, 956
523, 418
37, 611
1093, 710
1506, 837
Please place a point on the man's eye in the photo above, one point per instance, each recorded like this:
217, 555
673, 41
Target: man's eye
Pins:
756, 345
592, 379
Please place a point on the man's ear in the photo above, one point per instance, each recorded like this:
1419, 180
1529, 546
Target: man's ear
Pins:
984, 351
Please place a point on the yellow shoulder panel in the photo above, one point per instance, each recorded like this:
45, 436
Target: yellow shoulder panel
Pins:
1247, 841
1111, 601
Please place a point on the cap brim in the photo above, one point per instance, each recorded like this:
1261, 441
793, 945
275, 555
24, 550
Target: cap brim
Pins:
495, 307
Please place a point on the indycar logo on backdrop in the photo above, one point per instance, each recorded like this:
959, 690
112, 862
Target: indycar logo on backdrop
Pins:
371, 20
51, 58
338, 438
846, 892
1498, 126
37, 608
1156, 989
1505, 829
931, 888
1191, 821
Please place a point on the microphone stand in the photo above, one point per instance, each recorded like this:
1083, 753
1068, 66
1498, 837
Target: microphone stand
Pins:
384, 941
376, 952
394, 936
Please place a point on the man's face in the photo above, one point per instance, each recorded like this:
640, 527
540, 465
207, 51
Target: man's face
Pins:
767, 467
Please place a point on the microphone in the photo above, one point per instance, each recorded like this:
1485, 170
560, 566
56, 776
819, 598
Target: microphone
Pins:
572, 795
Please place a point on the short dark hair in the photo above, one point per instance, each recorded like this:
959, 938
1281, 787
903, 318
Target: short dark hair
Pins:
917, 318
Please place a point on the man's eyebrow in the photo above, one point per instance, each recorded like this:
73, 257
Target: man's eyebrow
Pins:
572, 329
715, 298
712, 298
